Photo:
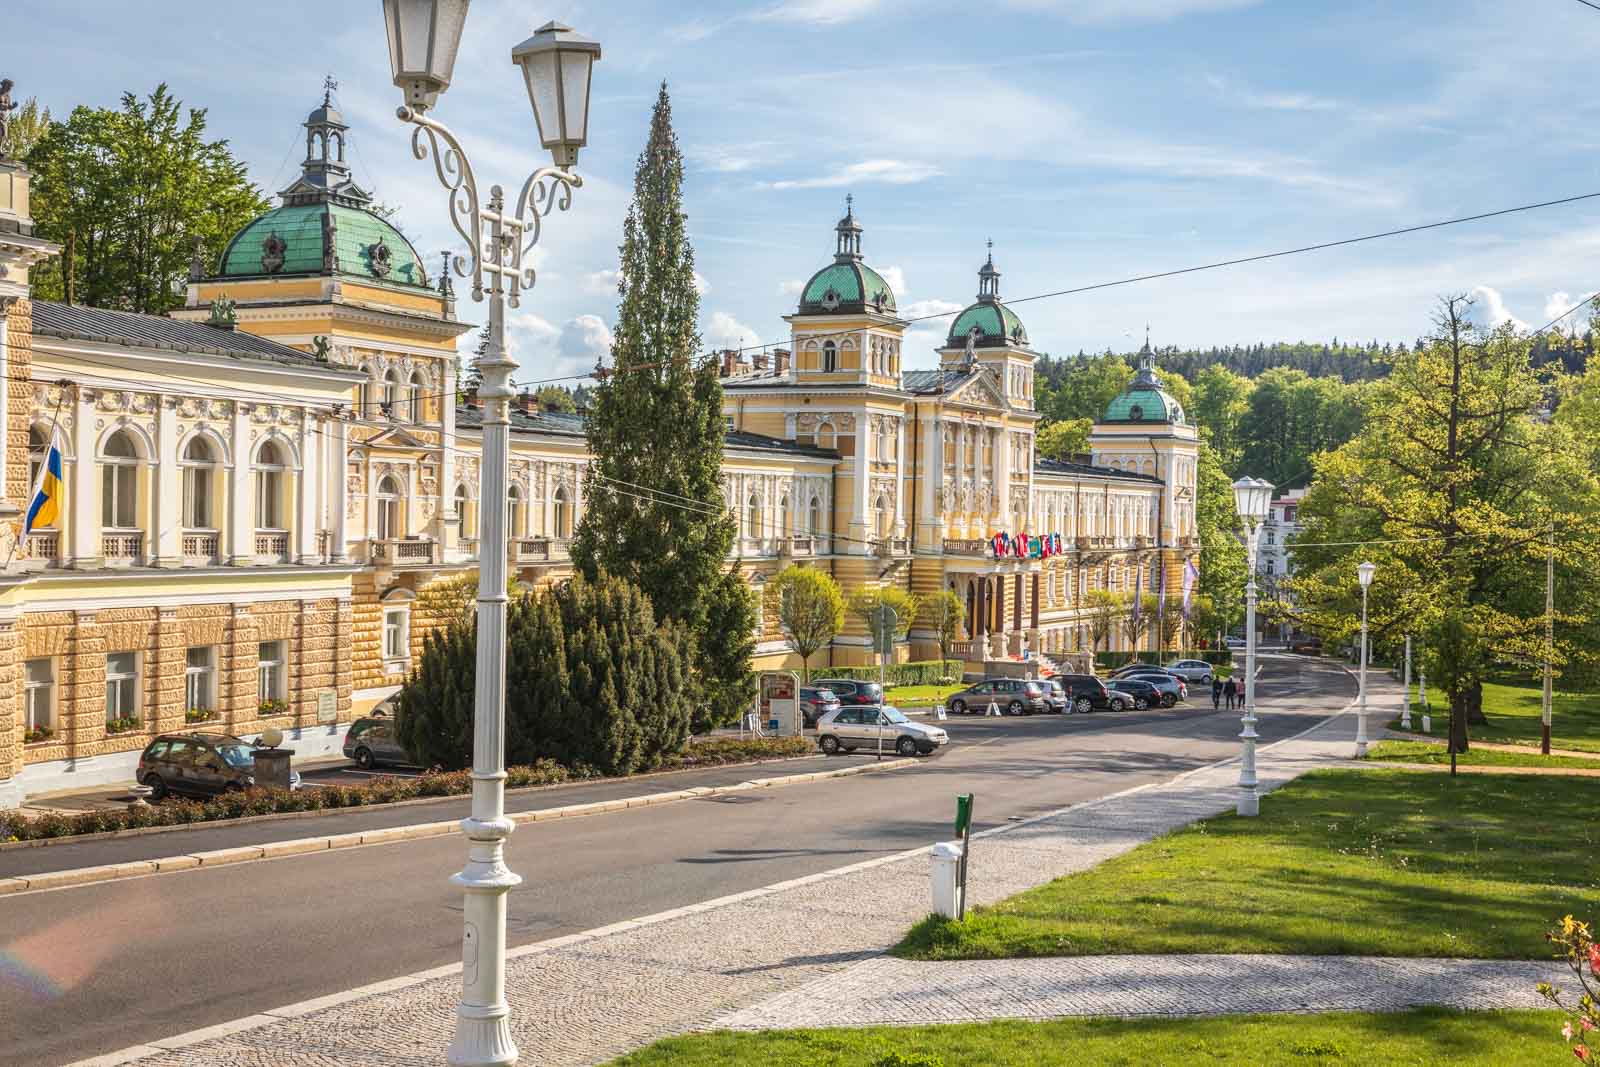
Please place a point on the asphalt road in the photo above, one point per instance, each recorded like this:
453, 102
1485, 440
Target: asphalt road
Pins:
96, 968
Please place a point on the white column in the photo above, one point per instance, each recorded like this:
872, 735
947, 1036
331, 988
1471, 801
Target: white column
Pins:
84, 515
859, 527
1002, 473
932, 476
338, 488
900, 469
305, 487
241, 532
451, 538
547, 521
166, 477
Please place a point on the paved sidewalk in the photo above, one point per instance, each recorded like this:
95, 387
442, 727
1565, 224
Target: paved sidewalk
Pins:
890, 992
585, 999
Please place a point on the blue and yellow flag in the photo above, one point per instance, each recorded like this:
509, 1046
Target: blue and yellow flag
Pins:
44, 510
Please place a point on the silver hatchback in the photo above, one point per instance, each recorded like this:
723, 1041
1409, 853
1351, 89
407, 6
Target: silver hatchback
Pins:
1192, 670
850, 728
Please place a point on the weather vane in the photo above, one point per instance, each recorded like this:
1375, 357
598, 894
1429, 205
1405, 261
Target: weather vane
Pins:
330, 85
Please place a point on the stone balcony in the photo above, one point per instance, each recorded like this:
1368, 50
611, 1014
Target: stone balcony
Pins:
403, 552
272, 546
122, 548
540, 549
967, 547
891, 547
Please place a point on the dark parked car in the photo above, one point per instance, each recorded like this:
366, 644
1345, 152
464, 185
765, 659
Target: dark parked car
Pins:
851, 692
372, 741
1089, 693
199, 765
1141, 668
815, 703
1014, 696
1309, 644
1173, 688
1141, 692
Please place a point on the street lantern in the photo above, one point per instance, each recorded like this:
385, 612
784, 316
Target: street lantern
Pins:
556, 64
1253, 499
1364, 573
423, 38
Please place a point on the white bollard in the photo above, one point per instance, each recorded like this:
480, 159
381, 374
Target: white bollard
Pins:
1427, 723
946, 886
992, 709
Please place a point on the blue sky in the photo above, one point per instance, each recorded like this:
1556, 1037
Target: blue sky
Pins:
1090, 139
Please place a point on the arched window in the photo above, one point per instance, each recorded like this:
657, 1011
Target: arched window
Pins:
814, 518
391, 522
465, 527
516, 511
830, 357
416, 390
752, 516
270, 467
783, 517
119, 484
825, 435
199, 485
563, 513
882, 515
391, 395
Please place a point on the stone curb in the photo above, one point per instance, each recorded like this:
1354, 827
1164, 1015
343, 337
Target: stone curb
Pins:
31, 883
275, 816
136, 1053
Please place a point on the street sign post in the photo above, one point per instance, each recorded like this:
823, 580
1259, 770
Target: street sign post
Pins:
964, 829
885, 620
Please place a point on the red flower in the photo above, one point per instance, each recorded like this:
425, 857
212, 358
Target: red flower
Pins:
1594, 959
1581, 1052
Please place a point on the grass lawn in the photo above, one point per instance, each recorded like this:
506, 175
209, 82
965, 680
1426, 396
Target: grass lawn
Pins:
1513, 714
919, 696
1422, 1036
1424, 752
1379, 862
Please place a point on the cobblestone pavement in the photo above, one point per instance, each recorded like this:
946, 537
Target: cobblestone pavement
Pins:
585, 999
888, 991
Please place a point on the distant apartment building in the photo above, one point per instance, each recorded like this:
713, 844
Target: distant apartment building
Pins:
1274, 558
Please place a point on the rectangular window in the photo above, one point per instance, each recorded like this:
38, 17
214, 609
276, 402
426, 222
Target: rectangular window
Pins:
122, 686
200, 678
396, 635
270, 671
39, 694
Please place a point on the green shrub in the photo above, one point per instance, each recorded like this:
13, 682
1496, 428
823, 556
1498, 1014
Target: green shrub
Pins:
919, 672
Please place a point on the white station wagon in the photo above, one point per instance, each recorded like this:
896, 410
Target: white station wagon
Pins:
877, 728
1192, 670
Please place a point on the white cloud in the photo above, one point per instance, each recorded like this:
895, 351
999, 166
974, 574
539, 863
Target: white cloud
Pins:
896, 279
701, 286
546, 350
602, 282
924, 308
1269, 101
867, 172
585, 338
1107, 11
725, 331
821, 12
1489, 309
791, 288
1557, 304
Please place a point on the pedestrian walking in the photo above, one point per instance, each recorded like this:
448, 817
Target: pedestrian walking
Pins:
1231, 691
1216, 693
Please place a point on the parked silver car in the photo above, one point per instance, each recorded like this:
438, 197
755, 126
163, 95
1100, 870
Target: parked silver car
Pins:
1172, 688
1192, 670
850, 728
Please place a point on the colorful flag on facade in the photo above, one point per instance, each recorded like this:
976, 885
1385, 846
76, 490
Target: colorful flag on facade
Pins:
44, 507
1191, 574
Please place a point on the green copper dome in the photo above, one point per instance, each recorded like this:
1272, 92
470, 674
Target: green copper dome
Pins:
998, 323
322, 238
847, 285
325, 225
1144, 400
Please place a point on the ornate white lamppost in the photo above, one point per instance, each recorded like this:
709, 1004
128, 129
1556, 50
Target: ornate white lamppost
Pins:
424, 36
1364, 571
1252, 497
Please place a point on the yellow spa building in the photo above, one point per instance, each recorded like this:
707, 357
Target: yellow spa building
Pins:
258, 488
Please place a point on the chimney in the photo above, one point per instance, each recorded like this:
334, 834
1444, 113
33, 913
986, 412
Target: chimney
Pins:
730, 362
527, 403
780, 359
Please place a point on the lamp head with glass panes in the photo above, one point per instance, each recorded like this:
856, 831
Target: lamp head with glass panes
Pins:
424, 36
1365, 572
1252, 497
556, 64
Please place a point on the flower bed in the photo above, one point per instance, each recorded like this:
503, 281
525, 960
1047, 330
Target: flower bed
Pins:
383, 790
122, 725
199, 715
274, 707
37, 734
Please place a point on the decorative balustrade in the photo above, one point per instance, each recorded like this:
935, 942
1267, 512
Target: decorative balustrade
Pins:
468, 546
272, 546
799, 546
967, 546
539, 549
405, 552
44, 546
890, 547
122, 547
201, 546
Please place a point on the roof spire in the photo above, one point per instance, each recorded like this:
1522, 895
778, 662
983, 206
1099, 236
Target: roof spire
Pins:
989, 277
849, 231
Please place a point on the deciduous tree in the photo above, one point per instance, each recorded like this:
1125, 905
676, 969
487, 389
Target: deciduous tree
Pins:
810, 610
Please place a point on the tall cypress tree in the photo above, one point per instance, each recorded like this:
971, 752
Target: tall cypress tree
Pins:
655, 509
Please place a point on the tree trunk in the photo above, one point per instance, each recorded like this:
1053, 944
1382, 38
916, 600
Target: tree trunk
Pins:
1474, 703
1458, 722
